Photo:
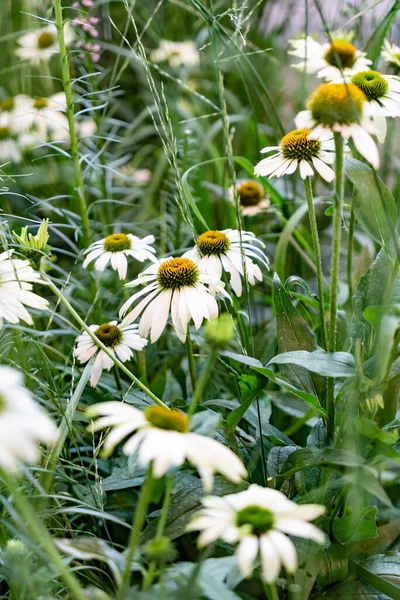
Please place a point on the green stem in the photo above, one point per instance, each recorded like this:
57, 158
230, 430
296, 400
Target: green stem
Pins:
42, 537
317, 250
96, 340
190, 357
338, 199
350, 253
201, 383
271, 591
67, 85
137, 524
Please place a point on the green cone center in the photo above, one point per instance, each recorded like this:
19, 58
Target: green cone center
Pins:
117, 242
371, 83
171, 420
45, 40
258, 519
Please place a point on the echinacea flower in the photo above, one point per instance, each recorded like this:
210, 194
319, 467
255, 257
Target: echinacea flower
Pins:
23, 422
252, 197
299, 149
176, 53
119, 339
383, 97
40, 44
44, 117
391, 54
341, 108
322, 59
258, 519
16, 279
161, 437
9, 147
115, 248
231, 251
175, 285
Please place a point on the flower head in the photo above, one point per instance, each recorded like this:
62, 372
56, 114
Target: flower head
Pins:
231, 251
383, 97
40, 44
341, 107
23, 423
115, 248
252, 197
120, 340
42, 118
33, 246
9, 147
299, 149
258, 519
329, 61
176, 53
162, 437
391, 54
175, 285
16, 279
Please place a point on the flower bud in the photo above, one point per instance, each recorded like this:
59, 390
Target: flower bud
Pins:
220, 331
160, 551
34, 246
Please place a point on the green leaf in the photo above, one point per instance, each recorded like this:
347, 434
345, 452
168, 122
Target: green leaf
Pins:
334, 565
374, 44
294, 334
336, 364
285, 237
356, 527
373, 204
382, 572
371, 291
371, 430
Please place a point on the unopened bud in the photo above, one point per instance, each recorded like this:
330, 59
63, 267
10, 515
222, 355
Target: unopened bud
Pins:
220, 331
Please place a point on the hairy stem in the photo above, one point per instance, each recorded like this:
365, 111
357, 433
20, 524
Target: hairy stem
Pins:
318, 261
67, 85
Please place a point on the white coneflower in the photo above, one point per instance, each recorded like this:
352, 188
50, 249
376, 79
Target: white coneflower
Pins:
252, 197
9, 146
162, 437
341, 107
176, 53
173, 285
23, 422
383, 97
231, 251
44, 117
16, 279
299, 149
322, 59
119, 339
40, 44
258, 519
391, 54
115, 248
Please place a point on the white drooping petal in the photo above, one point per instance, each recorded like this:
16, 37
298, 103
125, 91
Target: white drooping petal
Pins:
246, 554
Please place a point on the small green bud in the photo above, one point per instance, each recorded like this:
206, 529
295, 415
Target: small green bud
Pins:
160, 551
34, 246
220, 331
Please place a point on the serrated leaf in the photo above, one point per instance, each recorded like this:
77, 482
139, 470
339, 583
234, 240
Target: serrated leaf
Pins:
373, 204
356, 527
335, 364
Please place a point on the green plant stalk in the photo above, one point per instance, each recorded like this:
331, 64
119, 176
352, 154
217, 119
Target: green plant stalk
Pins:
317, 250
96, 340
350, 253
190, 357
137, 524
42, 537
67, 85
160, 527
201, 383
338, 199
271, 591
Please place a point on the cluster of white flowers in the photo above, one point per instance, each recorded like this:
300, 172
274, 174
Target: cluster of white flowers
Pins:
27, 122
355, 102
